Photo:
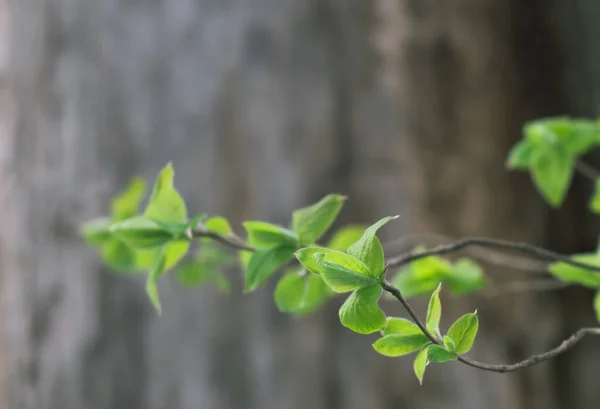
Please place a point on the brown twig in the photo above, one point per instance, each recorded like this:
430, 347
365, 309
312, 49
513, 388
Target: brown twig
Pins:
232, 242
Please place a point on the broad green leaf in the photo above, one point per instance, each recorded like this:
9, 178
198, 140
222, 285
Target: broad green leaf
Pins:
368, 248
361, 313
193, 273
436, 353
343, 280
420, 364
597, 305
244, 258
572, 274
141, 232
218, 225
311, 222
264, 263
119, 256
166, 204
466, 277
520, 155
449, 343
595, 200
401, 326
399, 345
174, 251
265, 235
151, 287
434, 312
96, 232
576, 136
345, 237
552, 169
313, 257
127, 203
411, 286
463, 332
300, 293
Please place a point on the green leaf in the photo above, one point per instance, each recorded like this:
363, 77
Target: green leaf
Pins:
311, 222
436, 353
151, 287
434, 312
96, 232
264, 263
361, 313
449, 343
420, 364
141, 232
119, 256
300, 293
595, 200
166, 204
552, 170
265, 235
368, 248
572, 274
463, 332
342, 280
520, 155
193, 273
401, 326
597, 305
313, 257
399, 345
466, 277
218, 225
345, 237
222, 283
127, 203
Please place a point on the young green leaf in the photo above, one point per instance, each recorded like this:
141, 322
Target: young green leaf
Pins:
399, 345
343, 280
436, 353
449, 343
467, 276
368, 248
572, 274
361, 312
520, 155
597, 305
420, 364
151, 287
127, 203
166, 204
265, 235
300, 293
96, 232
311, 222
218, 225
141, 232
552, 169
401, 326
193, 273
463, 332
594, 204
313, 257
119, 256
434, 312
264, 263
345, 237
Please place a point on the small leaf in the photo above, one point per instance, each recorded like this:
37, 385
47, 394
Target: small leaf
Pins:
342, 280
96, 232
436, 353
311, 222
312, 258
399, 345
463, 332
597, 305
449, 344
263, 264
119, 256
218, 225
151, 287
193, 273
361, 313
368, 248
141, 232
420, 364
345, 237
572, 274
552, 170
434, 312
595, 200
401, 326
467, 276
520, 155
166, 204
265, 235
127, 203
300, 293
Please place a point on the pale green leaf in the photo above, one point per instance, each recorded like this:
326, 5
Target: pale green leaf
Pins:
345, 237
127, 203
265, 235
313, 257
434, 312
466, 277
520, 155
151, 287
419, 364
343, 280
141, 232
311, 222
300, 293
399, 345
218, 225
449, 343
264, 263
572, 274
119, 256
463, 332
96, 232
401, 326
436, 353
166, 204
361, 312
552, 169
597, 305
368, 248
594, 204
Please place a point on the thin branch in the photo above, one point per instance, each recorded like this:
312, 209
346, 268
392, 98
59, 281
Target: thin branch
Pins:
483, 241
501, 368
526, 286
232, 242
587, 170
